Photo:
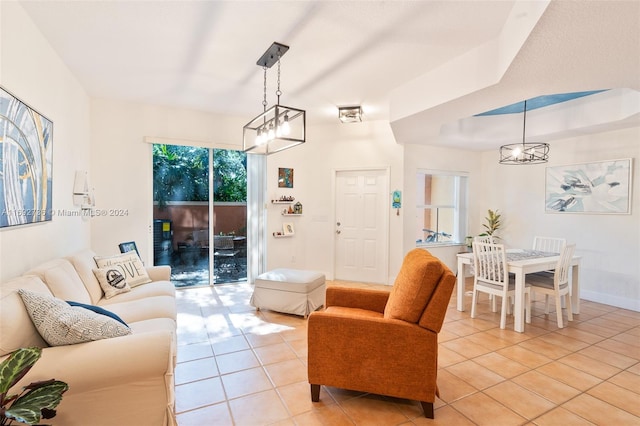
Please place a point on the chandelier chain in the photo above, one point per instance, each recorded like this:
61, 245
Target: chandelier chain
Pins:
524, 123
278, 92
264, 98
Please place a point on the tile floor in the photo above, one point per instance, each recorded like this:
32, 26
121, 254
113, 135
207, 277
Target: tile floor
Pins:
237, 366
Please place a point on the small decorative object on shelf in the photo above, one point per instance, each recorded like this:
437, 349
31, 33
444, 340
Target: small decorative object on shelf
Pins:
284, 199
297, 208
281, 235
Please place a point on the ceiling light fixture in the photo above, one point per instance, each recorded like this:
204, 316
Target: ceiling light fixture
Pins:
279, 127
525, 152
350, 114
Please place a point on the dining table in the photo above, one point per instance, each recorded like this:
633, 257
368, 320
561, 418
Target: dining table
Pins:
521, 262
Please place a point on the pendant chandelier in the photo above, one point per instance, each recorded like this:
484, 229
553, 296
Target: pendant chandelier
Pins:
279, 127
525, 152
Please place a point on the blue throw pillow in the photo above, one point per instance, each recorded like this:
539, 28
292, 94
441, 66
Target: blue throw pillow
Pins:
98, 310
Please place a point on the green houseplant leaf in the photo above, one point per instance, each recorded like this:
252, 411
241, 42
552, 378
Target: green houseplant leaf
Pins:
492, 222
37, 400
16, 366
44, 396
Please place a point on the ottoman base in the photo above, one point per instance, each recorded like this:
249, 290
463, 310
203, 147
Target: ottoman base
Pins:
291, 291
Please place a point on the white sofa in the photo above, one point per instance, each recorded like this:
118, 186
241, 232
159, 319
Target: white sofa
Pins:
126, 380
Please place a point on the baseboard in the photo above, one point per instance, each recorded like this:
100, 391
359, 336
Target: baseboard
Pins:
607, 299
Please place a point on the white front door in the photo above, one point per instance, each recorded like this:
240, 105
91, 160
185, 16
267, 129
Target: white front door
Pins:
361, 225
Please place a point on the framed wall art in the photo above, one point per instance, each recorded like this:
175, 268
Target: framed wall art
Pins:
601, 187
285, 178
128, 246
26, 143
287, 228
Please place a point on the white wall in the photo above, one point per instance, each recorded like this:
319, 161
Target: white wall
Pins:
609, 244
32, 71
330, 148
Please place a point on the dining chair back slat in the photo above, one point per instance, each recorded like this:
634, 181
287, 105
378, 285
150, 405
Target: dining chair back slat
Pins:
492, 277
549, 244
484, 239
490, 263
556, 284
561, 276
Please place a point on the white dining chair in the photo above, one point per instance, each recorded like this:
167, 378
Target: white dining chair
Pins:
491, 277
549, 244
489, 240
555, 284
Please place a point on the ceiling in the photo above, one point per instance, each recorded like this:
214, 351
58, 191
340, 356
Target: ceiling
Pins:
202, 55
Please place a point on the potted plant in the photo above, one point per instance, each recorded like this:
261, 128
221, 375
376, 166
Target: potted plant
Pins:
492, 223
37, 400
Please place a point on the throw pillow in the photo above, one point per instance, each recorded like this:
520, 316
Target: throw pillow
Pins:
112, 281
60, 324
98, 310
129, 264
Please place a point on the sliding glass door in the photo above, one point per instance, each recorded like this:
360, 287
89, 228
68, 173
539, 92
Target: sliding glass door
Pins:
199, 214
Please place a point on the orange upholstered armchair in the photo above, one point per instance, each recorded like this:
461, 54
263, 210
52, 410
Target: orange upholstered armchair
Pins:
383, 342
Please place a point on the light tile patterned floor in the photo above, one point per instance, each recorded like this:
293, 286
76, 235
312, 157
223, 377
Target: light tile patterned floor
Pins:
237, 366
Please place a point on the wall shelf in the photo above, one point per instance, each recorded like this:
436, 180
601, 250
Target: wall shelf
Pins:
291, 214
282, 236
281, 202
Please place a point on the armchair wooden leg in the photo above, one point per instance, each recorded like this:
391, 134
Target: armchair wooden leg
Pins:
428, 409
315, 393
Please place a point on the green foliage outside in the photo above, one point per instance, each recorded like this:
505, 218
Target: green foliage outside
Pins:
229, 175
181, 173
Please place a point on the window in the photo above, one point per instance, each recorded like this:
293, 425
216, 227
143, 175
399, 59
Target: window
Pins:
441, 213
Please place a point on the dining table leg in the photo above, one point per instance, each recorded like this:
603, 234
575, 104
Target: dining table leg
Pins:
460, 286
518, 309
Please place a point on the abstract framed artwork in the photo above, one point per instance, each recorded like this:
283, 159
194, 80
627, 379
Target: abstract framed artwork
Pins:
601, 187
285, 178
26, 151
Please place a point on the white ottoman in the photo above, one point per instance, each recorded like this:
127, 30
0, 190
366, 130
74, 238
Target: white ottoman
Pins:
292, 291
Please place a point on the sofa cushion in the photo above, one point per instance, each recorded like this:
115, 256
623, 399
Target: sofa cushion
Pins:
16, 328
129, 264
141, 309
112, 281
98, 310
154, 288
84, 264
60, 324
418, 276
62, 279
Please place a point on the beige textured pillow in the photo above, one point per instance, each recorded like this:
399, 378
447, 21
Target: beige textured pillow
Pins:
418, 276
112, 281
60, 324
129, 265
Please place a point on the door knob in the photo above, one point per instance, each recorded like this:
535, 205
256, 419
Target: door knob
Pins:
338, 231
